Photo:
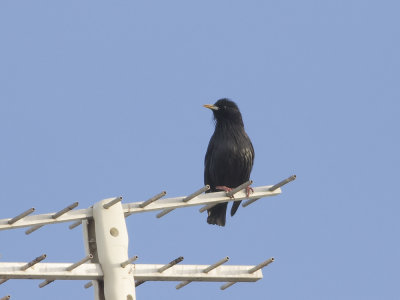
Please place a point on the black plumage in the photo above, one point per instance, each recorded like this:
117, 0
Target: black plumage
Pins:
229, 158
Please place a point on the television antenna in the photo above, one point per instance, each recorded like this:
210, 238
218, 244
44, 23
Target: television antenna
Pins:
107, 266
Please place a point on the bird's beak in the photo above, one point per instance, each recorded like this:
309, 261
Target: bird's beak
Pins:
210, 106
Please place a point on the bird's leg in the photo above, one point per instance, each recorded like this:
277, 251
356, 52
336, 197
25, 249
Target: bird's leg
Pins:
248, 189
224, 188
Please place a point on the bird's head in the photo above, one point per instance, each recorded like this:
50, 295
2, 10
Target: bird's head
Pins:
225, 110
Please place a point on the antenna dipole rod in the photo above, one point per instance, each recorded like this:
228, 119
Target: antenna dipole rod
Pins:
248, 202
112, 202
217, 264
196, 193
33, 262
152, 199
131, 260
75, 224
182, 284
191, 196
239, 188
88, 285
208, 206
32, 229
46, 282
20, 216
164, 212
5, 297
171, 264
262, 265
283, 182
271, 189
77, 264
226, 285
65, 210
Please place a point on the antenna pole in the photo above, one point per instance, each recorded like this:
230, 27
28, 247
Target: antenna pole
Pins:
112, 249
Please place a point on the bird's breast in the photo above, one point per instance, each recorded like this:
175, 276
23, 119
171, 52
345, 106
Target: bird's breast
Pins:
229, 160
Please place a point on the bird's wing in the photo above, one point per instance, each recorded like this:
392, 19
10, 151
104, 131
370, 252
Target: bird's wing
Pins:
207, 163
247, 161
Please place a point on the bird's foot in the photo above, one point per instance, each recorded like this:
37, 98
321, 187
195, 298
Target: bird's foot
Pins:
249, 190
224, 188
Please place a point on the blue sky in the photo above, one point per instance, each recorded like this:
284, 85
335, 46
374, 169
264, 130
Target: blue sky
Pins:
101, 99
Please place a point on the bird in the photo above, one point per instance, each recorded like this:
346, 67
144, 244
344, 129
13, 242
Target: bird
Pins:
229, 158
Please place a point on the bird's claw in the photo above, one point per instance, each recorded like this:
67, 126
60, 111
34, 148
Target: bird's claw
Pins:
249, 190
224, 188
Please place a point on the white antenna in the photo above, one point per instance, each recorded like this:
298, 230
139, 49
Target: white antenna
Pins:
110, 270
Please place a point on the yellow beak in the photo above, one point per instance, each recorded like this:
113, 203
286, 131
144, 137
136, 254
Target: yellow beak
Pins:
210, 106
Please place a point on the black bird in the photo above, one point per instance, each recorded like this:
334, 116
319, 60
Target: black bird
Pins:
229, 158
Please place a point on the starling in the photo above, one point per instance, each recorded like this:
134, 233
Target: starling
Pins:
229, 158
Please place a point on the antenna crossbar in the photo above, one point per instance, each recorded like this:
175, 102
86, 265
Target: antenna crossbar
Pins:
167, 204
141, 272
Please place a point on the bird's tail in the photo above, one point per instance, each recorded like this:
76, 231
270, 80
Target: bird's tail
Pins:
235, 207
217, 214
